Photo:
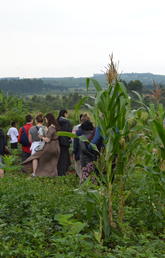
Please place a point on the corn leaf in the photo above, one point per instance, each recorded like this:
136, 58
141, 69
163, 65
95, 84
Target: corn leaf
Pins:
71, 135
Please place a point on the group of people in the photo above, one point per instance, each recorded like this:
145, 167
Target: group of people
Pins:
44, 153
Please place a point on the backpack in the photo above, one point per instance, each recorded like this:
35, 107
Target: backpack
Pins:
24, 138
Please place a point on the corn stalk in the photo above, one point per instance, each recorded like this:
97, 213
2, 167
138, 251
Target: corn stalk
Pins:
110, 110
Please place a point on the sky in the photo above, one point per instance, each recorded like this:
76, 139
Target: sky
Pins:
65, 38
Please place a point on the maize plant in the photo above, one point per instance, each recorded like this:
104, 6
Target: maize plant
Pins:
124, 134
129, 137
113, 116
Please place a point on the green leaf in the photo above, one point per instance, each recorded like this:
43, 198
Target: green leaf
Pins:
77, 227
63, 218
94, 147
160, 130
89, 106
138, 95
87, 83
80, 103
95, 84
71, 135
83, 138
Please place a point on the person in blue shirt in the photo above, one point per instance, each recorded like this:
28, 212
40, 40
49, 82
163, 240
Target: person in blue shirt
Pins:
97, 139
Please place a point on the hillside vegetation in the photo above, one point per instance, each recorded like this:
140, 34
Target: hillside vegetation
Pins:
45, 86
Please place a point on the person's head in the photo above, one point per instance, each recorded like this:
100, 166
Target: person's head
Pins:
28, 118
13, 124
39, 118
84, 117
63, 113
87, 126
50, 120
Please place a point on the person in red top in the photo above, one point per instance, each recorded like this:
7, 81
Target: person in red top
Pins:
26, 152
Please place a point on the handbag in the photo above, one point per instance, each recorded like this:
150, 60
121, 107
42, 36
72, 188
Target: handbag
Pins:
40, 146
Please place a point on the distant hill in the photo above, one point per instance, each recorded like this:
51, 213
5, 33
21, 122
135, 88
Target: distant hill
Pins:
71, 82
44, 86
145, 78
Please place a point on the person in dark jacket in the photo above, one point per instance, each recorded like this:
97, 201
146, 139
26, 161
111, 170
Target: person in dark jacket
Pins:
86, 155
2, 151
64, 159
76, 148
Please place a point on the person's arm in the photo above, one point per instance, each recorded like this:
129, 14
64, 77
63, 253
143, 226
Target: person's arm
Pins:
96, 137
16, 133
66, 126
30, 137
49, 134
69, 126
45, 139
19, 134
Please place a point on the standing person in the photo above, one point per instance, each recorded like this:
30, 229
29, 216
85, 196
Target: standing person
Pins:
34, 138
47, 159
2, 151
87, 155
23, 137
13, 134
64, 160
35, 132
76, 144
83, 118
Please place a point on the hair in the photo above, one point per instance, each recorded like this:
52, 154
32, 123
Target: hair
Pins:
87, 126
51, 120
13, 123
80, 116
84, 117
28, 118
62, 113
39, 118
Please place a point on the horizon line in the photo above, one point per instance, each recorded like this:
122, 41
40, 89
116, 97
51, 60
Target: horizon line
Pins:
76, 77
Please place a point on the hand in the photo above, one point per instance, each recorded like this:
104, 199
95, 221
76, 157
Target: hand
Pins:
45, 139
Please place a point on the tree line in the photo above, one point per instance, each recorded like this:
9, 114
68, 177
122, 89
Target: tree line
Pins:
44, 86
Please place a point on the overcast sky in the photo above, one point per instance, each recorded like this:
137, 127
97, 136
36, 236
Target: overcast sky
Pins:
54, 38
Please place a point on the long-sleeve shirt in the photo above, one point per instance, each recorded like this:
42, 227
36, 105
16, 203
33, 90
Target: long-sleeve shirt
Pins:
97, 139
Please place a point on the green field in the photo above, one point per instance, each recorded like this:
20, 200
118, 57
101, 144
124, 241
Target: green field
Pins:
45, 217
118, 211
